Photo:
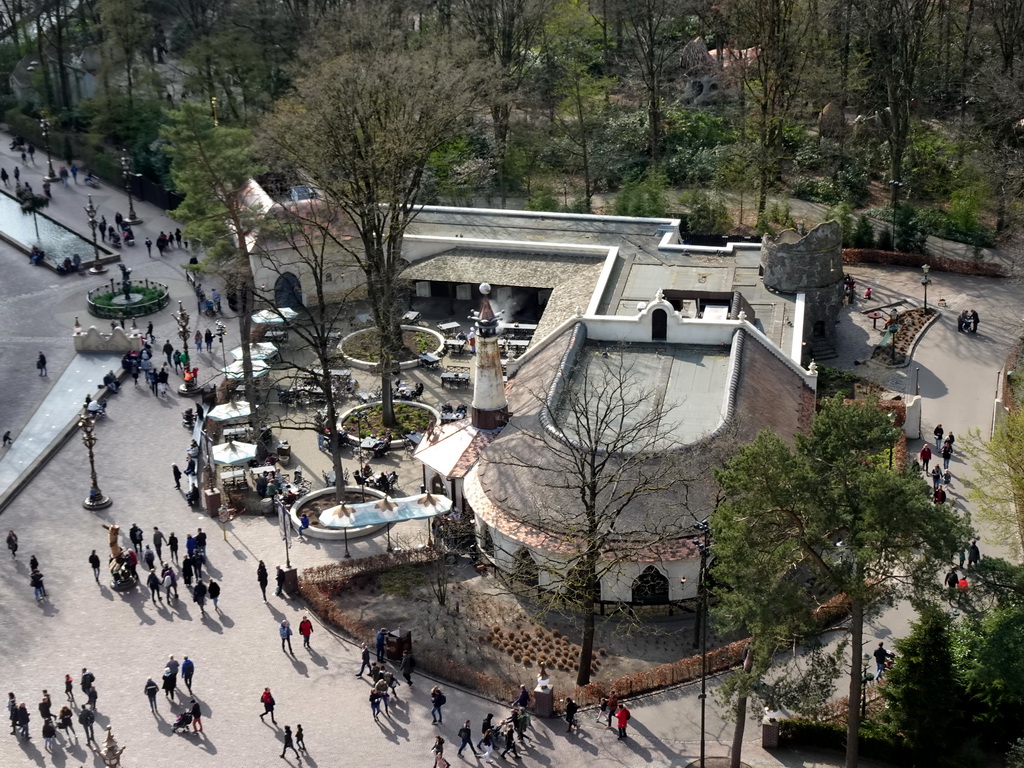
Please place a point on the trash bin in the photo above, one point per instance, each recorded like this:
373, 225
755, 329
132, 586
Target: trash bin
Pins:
397, 643
284, 453
211, 499
769, 734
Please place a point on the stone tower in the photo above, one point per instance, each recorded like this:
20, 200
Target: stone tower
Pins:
490, 408
810, 264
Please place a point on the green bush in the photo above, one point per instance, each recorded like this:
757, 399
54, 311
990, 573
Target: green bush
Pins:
542, 198
707, 215
864, 234
843, 215
643, 197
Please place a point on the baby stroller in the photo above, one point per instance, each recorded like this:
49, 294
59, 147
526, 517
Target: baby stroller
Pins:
182, 723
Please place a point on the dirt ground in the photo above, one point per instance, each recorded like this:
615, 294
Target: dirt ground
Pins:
482, 626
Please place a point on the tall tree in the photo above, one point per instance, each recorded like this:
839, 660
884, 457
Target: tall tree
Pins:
212, 166
126, 29
654, 32
505, 32
362, 124
830, 512
999, 492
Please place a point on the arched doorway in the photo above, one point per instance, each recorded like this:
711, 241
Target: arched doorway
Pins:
650, 587
437, 486
659, 325
524, 569
287, 291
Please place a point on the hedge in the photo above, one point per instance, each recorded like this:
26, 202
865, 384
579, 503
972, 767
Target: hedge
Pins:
832, 736
938, 263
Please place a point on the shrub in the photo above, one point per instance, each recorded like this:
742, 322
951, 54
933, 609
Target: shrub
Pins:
643, 197
707, 215
864, 234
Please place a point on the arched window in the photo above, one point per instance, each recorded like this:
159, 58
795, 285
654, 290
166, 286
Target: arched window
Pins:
287, 291
650, 587
659, 325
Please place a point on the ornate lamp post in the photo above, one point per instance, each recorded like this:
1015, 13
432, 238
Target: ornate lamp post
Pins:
926, 281
866, 676
110, 753
96, 268
96, 499
44, 128
221, 332
126, 170
190, 385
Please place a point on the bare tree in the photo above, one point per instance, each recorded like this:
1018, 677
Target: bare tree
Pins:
605, 485
362, 124
300, 238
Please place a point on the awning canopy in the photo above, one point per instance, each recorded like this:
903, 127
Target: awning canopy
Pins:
384, 511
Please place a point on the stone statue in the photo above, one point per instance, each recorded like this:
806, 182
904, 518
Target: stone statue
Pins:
114, 532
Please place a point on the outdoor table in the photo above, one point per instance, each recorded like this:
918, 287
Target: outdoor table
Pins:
455, 345
449, 379
230, 432
414, 437
411, 317
875, 317
429, 360
448, 328
368, 443
462, 379
276, 335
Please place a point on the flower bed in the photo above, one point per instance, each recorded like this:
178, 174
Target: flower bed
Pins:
154, 297
409, 417
365, 344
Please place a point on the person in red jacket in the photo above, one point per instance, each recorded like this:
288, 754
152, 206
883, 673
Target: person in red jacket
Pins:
622, 719
305, 629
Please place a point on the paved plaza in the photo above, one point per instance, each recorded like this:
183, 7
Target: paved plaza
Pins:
123, 639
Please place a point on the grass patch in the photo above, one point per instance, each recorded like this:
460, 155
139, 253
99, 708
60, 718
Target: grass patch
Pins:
408, 418
148, 295
833, 381
365, 345
401, 581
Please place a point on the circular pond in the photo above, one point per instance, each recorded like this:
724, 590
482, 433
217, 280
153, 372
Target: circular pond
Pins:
144, 298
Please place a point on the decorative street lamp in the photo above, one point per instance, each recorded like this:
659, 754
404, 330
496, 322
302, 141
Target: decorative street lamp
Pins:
190, 386
221, 332
44, 128
110, 753
96, 268
866, 677
926, 281
126, 169
701, 630
97, 499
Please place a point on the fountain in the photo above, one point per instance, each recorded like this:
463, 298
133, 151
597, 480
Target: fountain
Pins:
56, 240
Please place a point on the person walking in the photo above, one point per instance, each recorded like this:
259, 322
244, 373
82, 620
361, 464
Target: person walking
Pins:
973, 553
158, 543
466, 737
571, 708
288, 743
881, 659
176, 473
946, 453
622, 720
261, 578
208, 338
86, 680
149, 247
286, 636
149, 557
939, 434
509, 732
936, 475
151, 689
135, 536
198, 341
188, 669
366, 660
438, 751
94, 562
4, 177
177, 237
153, 582
36, 581
86, 718
66, 723
407, 665
487, 745
305, 629
214, 592
8, 440
926, 457
186, 570
168, 350
23, 719
12, 543
172, 546
197, 716
69, 689
49, 731
268, 705
74, 172
41, 364
612, 706
45, 706
300, 738
199, 597
279, 579
382, 636
170, 682
170, 582
375, 705
437, 700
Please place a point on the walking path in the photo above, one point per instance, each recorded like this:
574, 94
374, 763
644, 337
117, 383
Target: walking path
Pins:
125, 638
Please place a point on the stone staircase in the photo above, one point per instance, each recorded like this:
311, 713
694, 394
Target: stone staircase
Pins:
822, 349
